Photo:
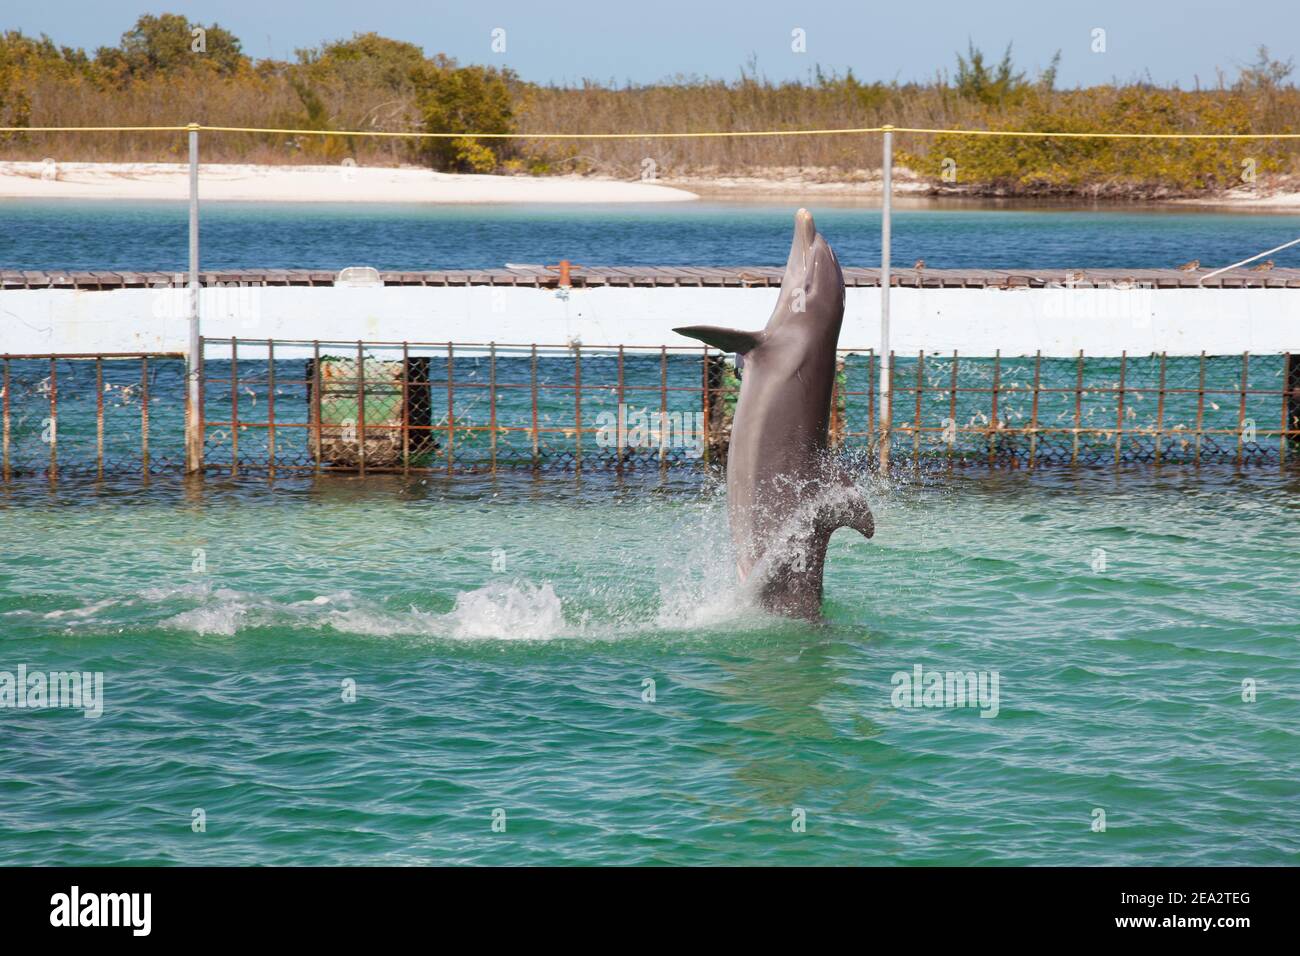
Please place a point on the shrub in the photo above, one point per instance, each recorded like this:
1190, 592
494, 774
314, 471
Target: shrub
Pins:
455, 99
1116, 166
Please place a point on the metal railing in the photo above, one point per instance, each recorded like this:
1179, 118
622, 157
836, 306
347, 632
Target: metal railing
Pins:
111, 413
306, 407
454, 407
1028, 412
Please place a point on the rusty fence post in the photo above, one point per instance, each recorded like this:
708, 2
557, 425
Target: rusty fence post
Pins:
361, 409
4, 412
886, 410
234, 406
619, 428
144, 415
871, 398
406, 409
993, 417
1119, 406
916, 425
1200, 408
316, 402
1033, 416
492, 403
837, 423
533, 387
1241, 409
663, 407
196, 401
952, 408
451, 408
1290, 403
1160, 411
270, 407
54, 420
99, 416
577, 406
704, 402
1078, 410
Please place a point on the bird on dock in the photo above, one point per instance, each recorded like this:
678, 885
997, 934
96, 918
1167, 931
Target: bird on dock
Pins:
920, 265
1075, 277
1263, 266
1190, 266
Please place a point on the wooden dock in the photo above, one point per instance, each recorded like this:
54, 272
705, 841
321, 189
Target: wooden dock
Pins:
537, 276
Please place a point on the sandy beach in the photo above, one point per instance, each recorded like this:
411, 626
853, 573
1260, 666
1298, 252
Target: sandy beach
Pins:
779, 183
34, 180
1282, 194
407, 184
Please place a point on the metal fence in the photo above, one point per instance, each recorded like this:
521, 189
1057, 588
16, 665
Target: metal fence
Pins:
98, 415
309, 407
484, 407
1027, 412
454, 407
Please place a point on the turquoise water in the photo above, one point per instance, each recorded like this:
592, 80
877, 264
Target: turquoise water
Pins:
500, 633
153, 235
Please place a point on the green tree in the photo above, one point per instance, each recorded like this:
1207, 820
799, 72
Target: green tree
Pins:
366, 58
462, 100
23, 61
167, 43
978, 81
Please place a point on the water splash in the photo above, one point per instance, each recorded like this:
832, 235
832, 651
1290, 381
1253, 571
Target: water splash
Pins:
616, 587
697, 580
517, 611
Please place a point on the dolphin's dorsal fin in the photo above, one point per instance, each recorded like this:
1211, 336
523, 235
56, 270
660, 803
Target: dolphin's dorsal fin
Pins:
729, 340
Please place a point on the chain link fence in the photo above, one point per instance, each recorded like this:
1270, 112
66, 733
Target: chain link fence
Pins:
1026, 412
453, 408
97, 415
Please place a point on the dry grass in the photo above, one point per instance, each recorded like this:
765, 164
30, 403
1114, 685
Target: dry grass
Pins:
40, 86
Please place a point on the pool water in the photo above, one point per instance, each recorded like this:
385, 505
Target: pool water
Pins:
345, 671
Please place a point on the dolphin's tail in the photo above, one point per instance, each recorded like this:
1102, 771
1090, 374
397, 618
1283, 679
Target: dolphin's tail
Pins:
842, 505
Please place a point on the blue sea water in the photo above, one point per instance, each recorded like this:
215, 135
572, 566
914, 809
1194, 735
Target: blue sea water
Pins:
153, 235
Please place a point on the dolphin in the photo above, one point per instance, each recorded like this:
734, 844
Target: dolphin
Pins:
784, 494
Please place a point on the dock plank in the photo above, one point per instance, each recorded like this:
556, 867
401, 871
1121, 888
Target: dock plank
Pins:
669, 276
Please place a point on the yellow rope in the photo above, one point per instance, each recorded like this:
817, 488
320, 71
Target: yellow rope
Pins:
415, 135
1061, 135
93, 129
1045, 134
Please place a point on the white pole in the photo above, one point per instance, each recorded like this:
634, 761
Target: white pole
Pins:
1260, 255
887, 178
193, 436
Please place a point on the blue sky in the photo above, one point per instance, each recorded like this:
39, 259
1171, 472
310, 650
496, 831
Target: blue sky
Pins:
568, 40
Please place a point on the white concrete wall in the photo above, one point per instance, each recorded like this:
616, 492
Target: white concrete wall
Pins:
973, 321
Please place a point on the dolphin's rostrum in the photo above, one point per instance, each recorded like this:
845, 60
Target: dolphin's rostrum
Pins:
784, 494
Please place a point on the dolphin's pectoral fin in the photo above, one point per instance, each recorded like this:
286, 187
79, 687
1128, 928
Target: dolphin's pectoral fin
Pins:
844, 506
729, 340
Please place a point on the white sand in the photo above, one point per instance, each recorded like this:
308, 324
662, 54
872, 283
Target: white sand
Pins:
1282, 200
775, 183
313, 184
